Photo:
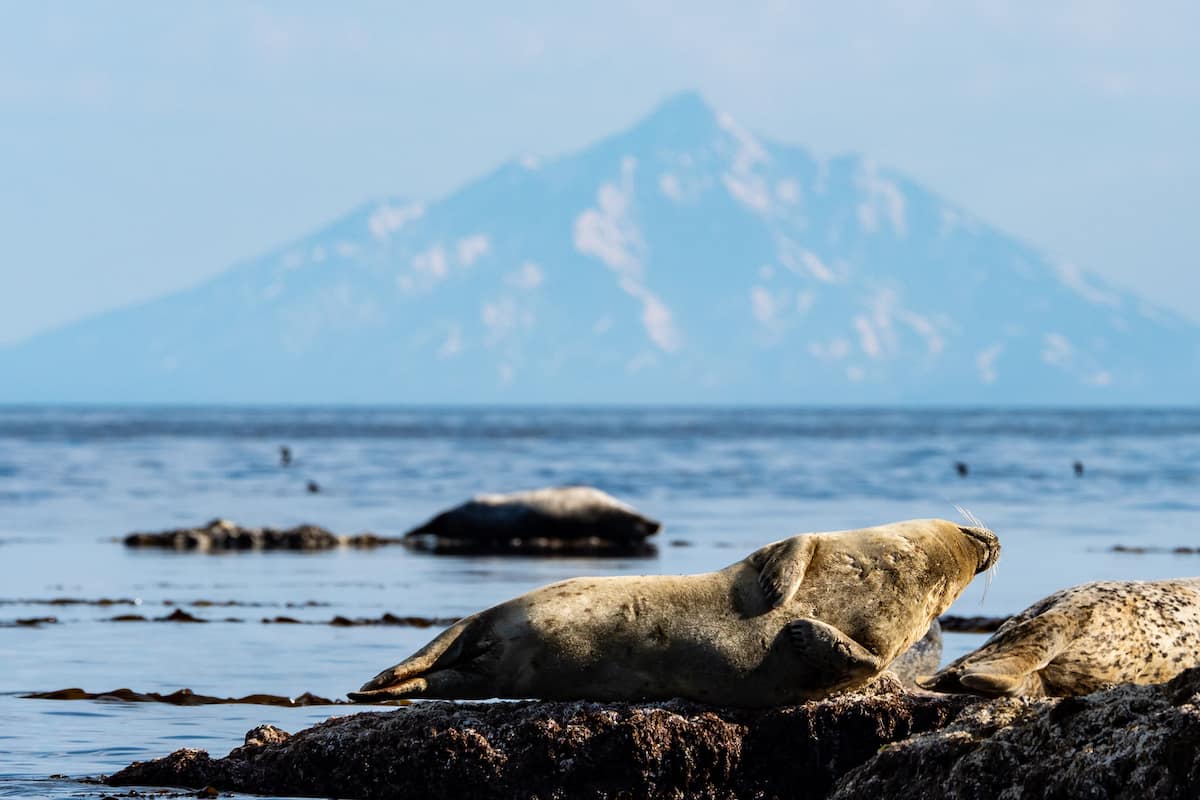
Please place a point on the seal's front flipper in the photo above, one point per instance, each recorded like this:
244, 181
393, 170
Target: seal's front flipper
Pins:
781, 567
1009, 663
830, 651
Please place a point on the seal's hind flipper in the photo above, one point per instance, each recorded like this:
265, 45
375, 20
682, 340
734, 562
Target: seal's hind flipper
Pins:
830, 651
447, 648
1009, 663
442, 684
781, 567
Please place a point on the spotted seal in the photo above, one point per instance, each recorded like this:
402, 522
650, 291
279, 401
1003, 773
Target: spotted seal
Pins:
795, 620
1081, 639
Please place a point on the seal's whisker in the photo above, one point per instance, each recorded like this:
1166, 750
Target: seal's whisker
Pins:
990, 572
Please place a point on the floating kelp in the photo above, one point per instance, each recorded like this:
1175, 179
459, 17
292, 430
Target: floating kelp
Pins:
179, 615
1182, 550
71, 601
186, 697
29, 622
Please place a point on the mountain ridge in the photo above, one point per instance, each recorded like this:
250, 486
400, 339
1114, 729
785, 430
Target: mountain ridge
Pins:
682, 259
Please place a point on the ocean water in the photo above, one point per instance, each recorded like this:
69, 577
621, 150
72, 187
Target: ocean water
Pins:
722, 481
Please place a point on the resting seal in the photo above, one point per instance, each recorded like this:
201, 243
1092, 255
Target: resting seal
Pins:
795, 620
564, 512
1080, 639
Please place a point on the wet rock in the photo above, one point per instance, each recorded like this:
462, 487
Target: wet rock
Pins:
579, 749
563, 521
1128, 741
186, 697
953, 624
221, 535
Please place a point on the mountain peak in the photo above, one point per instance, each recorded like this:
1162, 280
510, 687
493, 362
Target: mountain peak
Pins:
680, 261
682, 117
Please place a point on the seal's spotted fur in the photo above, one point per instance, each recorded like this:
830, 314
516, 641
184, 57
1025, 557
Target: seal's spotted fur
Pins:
1081, 639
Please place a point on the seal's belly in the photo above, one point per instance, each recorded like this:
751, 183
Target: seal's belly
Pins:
703, 637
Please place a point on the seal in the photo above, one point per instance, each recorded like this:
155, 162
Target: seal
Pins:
795, 620
1081, 639
560, 512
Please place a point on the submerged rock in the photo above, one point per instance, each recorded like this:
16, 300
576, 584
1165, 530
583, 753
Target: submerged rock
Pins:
567, 520
221, 535
578, 749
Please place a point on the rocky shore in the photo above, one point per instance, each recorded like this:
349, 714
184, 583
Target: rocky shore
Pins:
882, 741
221, 535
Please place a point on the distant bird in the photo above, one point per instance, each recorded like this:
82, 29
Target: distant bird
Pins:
313, 487
285, 456
961, 468
1078, 469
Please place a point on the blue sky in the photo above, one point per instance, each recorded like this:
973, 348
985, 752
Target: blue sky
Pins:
146, 146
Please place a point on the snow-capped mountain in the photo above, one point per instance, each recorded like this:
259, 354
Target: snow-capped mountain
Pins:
682, 261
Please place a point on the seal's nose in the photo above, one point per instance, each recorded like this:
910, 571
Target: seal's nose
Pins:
986, 542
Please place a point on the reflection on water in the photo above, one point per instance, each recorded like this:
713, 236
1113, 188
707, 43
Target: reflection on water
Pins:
724, 481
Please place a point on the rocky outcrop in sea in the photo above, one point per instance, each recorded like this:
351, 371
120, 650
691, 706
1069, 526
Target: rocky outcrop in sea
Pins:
880, 741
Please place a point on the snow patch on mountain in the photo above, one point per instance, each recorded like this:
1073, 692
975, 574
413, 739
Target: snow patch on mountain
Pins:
607, 232
471, 248
1074, 278
882, 200
387, 218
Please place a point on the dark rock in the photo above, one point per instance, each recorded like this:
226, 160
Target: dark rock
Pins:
1128, 741
922, 658
221, 535
953, 624
526, 749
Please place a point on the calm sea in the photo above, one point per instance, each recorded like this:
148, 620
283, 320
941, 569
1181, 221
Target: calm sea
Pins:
722, 481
